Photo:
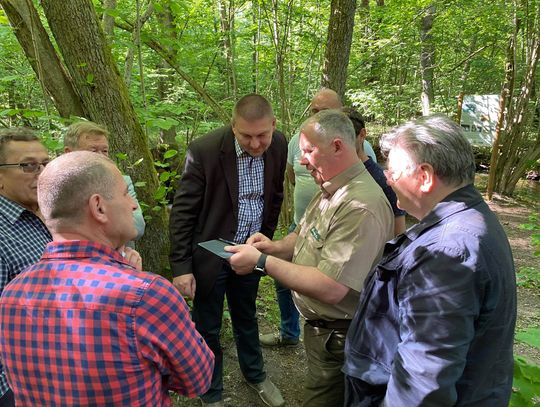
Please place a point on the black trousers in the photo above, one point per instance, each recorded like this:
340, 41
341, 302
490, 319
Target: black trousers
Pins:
8, 399
241, 292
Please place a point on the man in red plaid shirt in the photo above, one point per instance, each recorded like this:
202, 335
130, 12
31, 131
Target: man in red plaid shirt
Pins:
82, 327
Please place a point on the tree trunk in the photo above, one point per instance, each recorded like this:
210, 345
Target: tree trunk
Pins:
256, 13
136, 42
505, 99
516, 153
167, 78
338, 45
42, 57
463, 79
226, 14
107, 19
81, 41
427, 59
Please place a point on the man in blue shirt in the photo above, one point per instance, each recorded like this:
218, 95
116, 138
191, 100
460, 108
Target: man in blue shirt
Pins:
435, 322
23, 235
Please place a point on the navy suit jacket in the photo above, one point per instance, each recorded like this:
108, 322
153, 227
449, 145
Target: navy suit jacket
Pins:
206, 202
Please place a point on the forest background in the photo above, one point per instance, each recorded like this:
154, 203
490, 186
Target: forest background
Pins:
159, 73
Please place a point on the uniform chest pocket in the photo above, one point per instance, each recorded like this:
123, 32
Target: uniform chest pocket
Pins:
311, 240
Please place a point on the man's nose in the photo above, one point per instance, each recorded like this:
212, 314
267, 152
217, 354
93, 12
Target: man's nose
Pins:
255, 144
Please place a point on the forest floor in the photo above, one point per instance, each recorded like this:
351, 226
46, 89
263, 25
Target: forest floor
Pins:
286, 367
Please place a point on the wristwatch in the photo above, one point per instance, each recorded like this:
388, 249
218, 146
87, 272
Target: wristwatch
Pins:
259, 267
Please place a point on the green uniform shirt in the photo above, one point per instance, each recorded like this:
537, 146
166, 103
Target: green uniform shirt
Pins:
343, 233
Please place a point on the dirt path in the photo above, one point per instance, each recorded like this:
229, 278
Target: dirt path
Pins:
286, 367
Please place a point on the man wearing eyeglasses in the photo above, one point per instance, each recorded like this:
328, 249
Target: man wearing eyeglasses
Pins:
435, 322
23, 235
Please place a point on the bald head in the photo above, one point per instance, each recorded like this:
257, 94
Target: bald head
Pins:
325, 99
66, 184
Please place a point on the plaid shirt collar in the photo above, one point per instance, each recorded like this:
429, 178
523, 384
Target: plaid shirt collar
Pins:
241, 152
76, 249
11, 210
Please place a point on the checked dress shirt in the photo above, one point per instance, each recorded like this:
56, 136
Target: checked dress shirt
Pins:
83, 328
23, 237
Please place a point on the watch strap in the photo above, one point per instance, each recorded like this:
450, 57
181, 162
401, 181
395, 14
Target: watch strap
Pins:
260, 266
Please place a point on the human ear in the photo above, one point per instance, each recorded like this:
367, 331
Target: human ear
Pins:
97, 208
426, 174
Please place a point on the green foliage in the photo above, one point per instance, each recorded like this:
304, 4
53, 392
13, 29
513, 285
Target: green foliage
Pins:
534, 226
528, 277
526, 385
530, 336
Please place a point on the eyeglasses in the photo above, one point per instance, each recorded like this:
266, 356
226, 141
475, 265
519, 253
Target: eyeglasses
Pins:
394, 175
29, 168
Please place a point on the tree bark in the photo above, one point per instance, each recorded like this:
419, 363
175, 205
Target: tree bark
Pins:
226, 14
516, 157
338, 45
427, 59
42, 57
136, 43
81, 41
107, 19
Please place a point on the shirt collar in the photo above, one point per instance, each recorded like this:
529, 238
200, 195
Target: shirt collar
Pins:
457, 201
11, 210
81, 249
240, 152
332, 185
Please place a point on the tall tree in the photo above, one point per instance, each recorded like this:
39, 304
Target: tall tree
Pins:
104, 99
226, 13
338, 45
427, 59
42, 56
504, 100
522, 143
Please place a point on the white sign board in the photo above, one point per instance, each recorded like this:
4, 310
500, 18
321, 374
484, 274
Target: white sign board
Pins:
479, 118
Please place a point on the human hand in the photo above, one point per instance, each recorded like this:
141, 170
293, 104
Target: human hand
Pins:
132, 257
244, 259
186, 285
260, 242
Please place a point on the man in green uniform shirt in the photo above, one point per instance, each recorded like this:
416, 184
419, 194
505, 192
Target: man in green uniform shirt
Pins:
327, 257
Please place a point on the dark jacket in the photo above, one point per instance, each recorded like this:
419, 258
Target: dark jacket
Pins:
206, 203
435, 322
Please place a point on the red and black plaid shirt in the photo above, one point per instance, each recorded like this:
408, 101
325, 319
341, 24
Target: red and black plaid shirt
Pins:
82, 327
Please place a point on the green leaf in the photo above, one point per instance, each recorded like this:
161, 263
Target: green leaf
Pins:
526, 385
161, 165
160, 193
530, 336
140, 184
121, 156
170, 154
9, 78
164, 176
90, 79
112, 12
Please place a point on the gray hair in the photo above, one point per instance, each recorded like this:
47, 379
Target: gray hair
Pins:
15, 134
67, 182
438, 141
329, 124
77, 129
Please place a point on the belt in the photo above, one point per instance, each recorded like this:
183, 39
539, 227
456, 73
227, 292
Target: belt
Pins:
322, 323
